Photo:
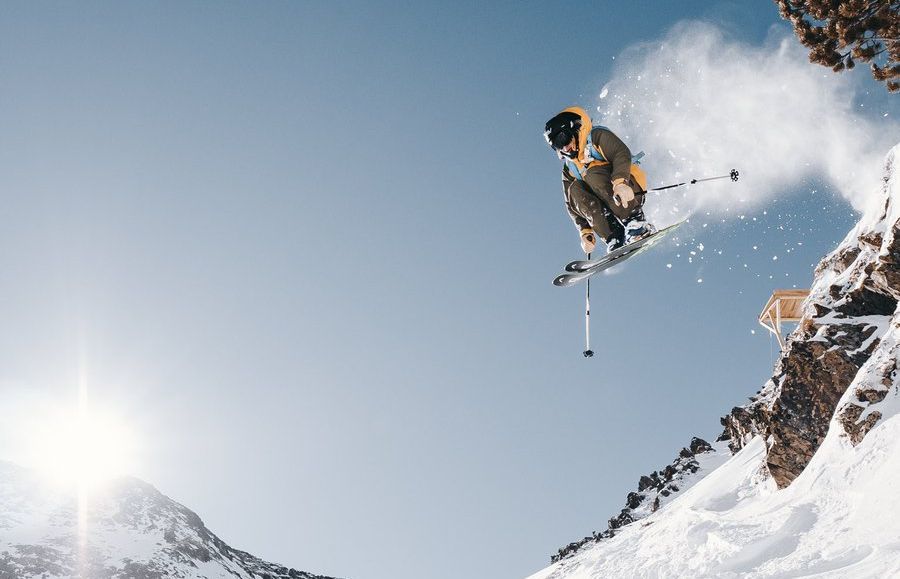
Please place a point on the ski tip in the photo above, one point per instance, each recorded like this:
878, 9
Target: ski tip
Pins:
565, 280
581, 265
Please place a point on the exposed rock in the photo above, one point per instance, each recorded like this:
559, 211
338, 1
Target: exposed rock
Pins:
815, 376
859, 414
855, 429
886, 273
854, 294
652, 488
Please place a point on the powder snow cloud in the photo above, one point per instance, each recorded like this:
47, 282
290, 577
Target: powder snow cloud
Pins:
699, 104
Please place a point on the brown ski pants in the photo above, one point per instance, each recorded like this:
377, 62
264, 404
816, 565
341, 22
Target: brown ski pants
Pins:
593, 199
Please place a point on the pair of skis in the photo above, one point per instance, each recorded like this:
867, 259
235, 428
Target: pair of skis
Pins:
579, 270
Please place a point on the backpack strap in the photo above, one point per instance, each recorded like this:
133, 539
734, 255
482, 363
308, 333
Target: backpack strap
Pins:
592, 149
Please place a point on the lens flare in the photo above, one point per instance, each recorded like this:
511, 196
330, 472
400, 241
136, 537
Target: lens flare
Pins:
81, 447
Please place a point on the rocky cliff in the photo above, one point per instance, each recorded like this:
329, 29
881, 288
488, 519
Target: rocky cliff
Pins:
852, 301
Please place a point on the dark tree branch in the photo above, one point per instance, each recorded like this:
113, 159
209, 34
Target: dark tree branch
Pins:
839, 32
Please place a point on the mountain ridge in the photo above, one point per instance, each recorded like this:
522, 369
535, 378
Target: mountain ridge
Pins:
127, 529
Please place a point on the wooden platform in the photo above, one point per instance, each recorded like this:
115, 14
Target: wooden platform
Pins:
785, 305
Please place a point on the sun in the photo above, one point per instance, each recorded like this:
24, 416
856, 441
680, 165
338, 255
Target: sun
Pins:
81, 446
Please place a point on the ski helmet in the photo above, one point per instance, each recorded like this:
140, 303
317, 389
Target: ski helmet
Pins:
561, 129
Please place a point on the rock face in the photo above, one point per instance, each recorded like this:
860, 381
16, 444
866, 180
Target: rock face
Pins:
129, 530
653, 490
852, 302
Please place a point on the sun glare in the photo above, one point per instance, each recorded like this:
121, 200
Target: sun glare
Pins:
81, 447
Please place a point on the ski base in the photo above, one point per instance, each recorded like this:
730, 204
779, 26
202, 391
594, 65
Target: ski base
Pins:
582, 269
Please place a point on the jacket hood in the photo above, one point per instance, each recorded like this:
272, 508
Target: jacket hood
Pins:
585, 130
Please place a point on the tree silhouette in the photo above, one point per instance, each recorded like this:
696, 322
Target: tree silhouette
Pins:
838, 33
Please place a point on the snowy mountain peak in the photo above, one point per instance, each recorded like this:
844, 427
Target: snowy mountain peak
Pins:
126, 529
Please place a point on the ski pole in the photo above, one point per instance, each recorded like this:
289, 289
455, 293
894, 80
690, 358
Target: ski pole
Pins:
733, 175
587, 319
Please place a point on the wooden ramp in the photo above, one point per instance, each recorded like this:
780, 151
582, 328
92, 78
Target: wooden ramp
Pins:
784, 306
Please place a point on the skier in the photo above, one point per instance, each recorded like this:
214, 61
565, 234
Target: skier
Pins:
604, 190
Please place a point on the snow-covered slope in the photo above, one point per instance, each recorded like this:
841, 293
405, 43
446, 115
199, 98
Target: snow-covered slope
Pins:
837, 520
658, 489
126, 530
811, 488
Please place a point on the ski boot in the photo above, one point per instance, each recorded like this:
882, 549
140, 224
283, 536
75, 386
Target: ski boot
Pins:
637, 228
614, 242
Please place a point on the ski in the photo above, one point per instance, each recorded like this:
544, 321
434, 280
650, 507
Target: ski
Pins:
585, 265
582, 269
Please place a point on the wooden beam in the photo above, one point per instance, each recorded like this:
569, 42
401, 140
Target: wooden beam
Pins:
782, 306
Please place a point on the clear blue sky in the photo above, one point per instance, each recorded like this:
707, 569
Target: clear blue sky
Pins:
306, 248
